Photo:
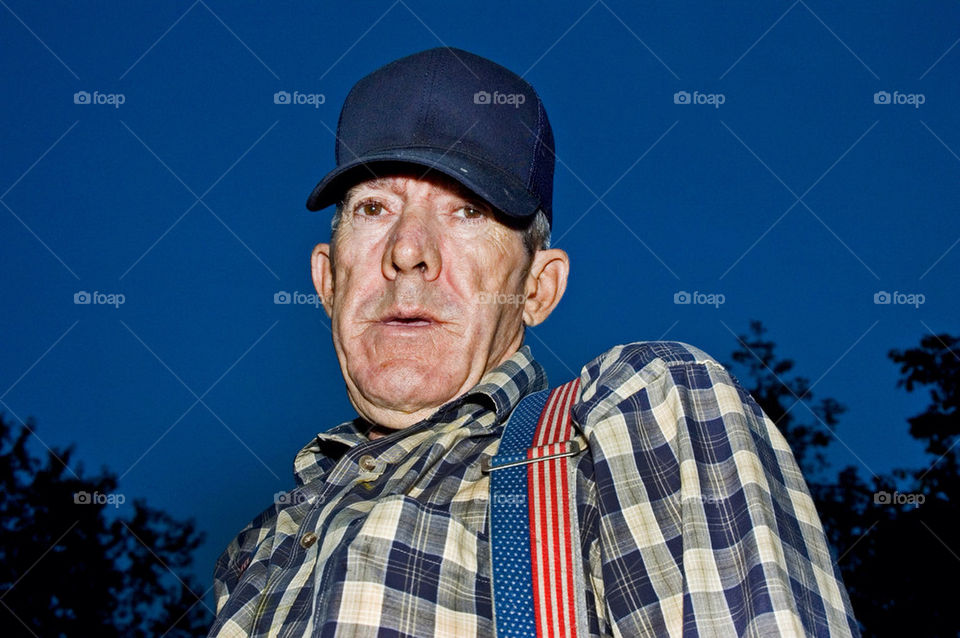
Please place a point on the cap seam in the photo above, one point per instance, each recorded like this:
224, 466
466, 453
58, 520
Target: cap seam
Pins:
426, 98
532, 170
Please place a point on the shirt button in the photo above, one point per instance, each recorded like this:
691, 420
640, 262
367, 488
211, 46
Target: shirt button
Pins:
367, 463
307, 540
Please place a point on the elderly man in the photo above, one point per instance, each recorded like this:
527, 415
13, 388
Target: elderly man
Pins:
690, 516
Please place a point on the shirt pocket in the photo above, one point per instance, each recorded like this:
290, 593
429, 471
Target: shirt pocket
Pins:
417, 553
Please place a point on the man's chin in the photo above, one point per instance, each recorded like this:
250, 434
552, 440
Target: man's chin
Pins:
410, 386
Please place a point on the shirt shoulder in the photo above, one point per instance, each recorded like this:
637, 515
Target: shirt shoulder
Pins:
649, 357
625, 369
660, 389
693, 483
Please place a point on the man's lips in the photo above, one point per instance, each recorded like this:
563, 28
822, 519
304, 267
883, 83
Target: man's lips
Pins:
408, 322
411, 318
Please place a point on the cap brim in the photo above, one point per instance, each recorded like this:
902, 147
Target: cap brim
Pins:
502, 191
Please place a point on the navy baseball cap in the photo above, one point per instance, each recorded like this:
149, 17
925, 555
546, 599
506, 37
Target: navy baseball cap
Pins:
450, 111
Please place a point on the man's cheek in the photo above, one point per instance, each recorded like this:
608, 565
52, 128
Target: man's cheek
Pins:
492, 309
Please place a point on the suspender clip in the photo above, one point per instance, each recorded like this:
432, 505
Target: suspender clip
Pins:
573, 448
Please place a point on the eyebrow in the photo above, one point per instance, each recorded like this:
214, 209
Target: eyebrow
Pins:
386, 183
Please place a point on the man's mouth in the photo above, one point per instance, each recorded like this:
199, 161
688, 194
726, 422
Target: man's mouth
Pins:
411, 319
408, 321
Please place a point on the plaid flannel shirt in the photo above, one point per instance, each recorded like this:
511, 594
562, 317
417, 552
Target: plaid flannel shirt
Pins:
694, 517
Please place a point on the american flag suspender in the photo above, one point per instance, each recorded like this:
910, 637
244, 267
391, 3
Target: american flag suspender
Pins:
537, 566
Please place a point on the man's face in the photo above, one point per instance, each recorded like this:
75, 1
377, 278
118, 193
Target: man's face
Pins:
426, 294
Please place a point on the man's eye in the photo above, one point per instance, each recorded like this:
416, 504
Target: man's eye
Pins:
370, 209
470, 212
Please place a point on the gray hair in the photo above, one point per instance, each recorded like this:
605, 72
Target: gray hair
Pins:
536, 233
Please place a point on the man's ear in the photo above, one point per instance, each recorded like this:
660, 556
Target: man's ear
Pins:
545, 285
321, 266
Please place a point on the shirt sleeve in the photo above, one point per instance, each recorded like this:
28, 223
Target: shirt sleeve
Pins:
233, 598
227, 571
706, 526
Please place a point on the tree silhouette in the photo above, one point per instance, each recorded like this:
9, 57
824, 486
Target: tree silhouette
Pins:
890, 537
904, 528
936, 365
72, 565
917, 538
787, 400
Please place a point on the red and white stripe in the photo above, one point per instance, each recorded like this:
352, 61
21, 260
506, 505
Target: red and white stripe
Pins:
550, 526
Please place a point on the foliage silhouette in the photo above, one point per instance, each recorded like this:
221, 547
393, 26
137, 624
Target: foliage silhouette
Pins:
888, 544
788, 401
73, 563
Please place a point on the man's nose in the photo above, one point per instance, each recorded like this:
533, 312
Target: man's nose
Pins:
413, 246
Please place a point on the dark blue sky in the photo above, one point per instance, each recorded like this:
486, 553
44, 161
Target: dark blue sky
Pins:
797, 199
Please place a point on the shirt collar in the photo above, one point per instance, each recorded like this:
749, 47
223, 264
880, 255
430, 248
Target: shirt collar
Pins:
503, 387
510, 381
